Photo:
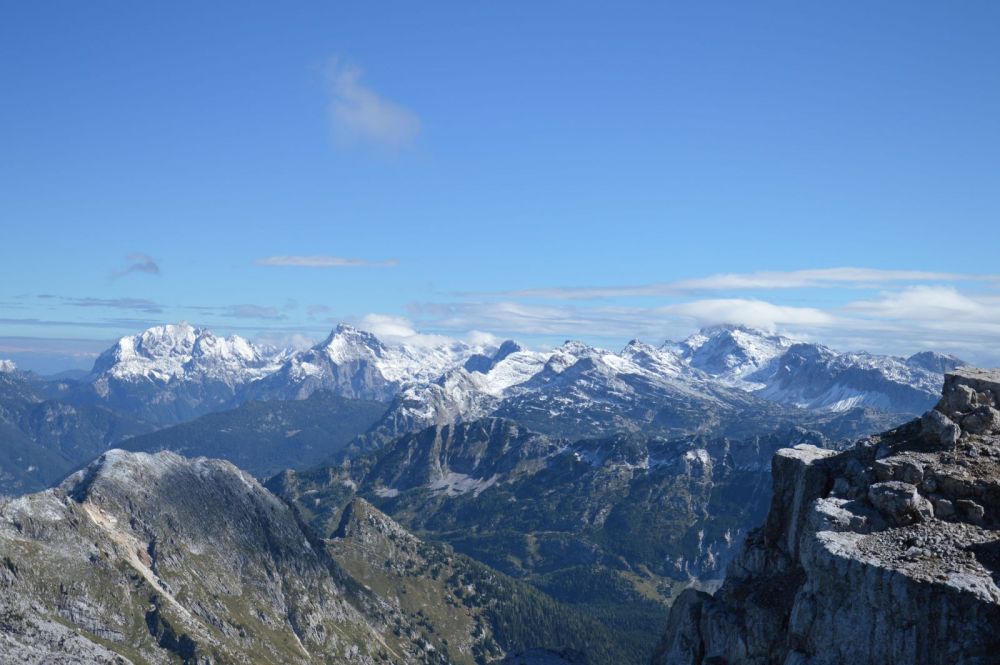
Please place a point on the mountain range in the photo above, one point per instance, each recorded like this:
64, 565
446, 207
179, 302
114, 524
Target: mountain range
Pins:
724, 380
421, 501
174, 372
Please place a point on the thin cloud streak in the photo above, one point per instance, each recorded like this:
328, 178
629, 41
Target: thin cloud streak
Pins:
900, 322
854, 278
242, 311
247, 311
824, 278
68, 346
135, 304
324, 262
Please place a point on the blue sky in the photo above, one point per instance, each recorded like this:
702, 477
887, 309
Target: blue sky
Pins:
536, 170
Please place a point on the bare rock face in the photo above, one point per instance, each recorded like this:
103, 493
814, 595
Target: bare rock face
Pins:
885, 553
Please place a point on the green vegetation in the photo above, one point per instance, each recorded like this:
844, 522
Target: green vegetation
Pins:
472, 613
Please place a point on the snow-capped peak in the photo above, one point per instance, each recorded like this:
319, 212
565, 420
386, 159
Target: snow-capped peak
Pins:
483, 363
175, 351
346, 343
7, 367
357, 363
934, 362
664, 360
182, 370
731, 352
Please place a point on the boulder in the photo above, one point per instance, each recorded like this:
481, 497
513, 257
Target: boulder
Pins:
938, 429
900, 503
983, 420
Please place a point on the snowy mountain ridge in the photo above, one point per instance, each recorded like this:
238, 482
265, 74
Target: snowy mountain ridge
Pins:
729, 353
455, 380
356, 363
176, 352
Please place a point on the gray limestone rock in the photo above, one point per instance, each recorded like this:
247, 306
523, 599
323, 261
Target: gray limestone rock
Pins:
983, 420
943, 509
894, 573
899, 503
937, 428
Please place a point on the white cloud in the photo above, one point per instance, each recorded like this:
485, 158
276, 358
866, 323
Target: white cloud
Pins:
822, 278
481, 338
401, 330
358, 114
385, 325
754, 313
323, 262
932, 303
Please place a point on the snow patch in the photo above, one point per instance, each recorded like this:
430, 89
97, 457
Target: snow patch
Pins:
455, 484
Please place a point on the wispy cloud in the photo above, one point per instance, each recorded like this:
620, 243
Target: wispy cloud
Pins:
315, 310
242, 311
134, 304
561, 321
324, 262
899, 318
358, 114
824, 278
122, 324
854, 278
930, 303
616, 322
76, 347
246, 311
137, 263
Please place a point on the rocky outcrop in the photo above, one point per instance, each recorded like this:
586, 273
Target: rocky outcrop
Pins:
888, 552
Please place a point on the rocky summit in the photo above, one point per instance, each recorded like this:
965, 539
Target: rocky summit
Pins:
888, 552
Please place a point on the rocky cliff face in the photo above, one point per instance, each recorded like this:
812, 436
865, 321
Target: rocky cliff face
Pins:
885, 553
